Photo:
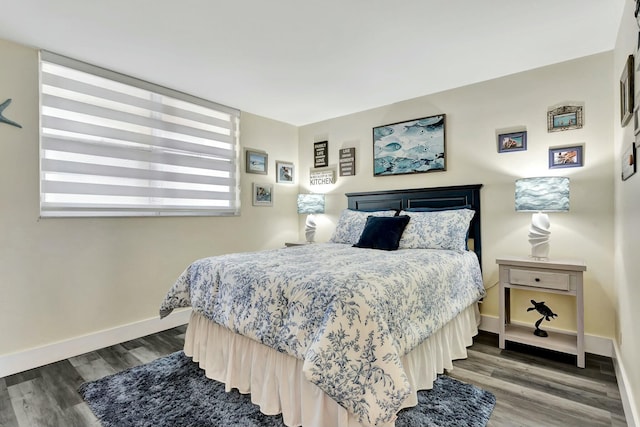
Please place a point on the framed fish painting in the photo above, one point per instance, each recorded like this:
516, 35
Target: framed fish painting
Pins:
413, 146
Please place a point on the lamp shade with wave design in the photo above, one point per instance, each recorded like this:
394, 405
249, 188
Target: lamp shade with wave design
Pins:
541, 195
310, 204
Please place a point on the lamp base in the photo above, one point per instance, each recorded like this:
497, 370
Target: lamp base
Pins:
540, 251
310, 228
539, 236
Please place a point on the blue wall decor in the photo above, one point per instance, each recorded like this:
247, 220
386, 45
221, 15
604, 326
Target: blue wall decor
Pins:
3, 119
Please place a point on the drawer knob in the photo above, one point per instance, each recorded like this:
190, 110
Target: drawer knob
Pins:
537, 279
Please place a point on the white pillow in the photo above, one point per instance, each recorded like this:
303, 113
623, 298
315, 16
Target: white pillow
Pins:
351, 224
437, 230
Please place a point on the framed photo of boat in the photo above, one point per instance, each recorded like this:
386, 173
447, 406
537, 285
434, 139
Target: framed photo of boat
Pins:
412, 146
567, 117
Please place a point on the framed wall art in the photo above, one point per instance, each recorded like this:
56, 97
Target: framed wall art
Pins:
262, 194
566, 157
629, 161
626, 92
322, 177
413, 146
347, 161
320, 154
515, 141
257, 162
567, 117
284, 172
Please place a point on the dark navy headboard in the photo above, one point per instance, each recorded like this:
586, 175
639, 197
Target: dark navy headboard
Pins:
437, 197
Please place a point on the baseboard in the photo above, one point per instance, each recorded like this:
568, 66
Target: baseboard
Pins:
592, 343
39, 356
626, 393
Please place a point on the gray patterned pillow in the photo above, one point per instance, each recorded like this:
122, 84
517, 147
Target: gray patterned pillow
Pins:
437, 230
351, 223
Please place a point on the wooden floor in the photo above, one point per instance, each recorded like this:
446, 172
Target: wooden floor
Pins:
540, 390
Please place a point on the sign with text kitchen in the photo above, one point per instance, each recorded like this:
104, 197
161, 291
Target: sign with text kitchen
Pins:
324, 177
320, 154
347, 160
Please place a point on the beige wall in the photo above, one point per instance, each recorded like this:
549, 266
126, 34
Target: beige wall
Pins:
474, 114
627, 231
63, 278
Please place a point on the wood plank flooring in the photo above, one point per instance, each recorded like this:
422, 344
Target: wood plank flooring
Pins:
533, 388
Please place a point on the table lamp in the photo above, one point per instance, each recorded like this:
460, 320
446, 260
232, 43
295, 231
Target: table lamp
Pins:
310, 204
541, 195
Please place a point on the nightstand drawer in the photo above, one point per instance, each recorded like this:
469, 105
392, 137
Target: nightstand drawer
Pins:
539, 279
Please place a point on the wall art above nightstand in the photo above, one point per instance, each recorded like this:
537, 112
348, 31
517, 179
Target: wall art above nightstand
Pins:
567, 117
514, 141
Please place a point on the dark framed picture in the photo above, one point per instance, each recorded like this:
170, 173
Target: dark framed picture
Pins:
262, 194
284, 172
626, 92
629, 161
257, 162
515, 141
566, 157
636, 120
347, 161
320, 154
567, 117
413, 146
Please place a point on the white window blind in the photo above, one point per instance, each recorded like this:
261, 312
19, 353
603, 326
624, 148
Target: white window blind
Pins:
113, 145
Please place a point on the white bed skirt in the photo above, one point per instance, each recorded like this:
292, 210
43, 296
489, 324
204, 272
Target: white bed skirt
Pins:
278, 385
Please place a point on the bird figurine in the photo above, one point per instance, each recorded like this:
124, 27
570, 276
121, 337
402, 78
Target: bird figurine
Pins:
3, 119
547, 314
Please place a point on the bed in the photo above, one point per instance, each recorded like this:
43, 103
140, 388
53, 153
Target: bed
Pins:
342, 333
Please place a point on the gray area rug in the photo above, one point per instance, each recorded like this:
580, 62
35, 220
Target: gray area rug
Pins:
173, 392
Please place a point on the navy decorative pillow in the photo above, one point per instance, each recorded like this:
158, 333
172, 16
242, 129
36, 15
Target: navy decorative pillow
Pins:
383, 232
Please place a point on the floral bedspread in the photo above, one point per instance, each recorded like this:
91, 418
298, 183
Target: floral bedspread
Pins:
349, 313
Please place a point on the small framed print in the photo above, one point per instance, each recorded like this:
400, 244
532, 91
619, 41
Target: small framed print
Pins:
320, 154
629, 161
567, 117
515, 141
566, 157
347, 161
257, 162
262, 194
284, 172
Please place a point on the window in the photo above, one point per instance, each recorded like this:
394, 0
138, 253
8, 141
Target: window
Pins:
112, 145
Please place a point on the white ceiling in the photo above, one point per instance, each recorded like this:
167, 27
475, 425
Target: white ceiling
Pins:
303, 61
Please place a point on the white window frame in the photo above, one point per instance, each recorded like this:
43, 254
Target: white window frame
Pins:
113, 145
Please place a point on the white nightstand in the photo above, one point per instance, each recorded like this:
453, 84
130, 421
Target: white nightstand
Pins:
563, 277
